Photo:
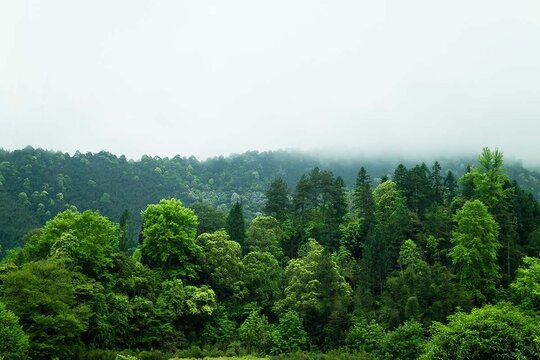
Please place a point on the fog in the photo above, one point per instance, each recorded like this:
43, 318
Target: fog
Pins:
206, 78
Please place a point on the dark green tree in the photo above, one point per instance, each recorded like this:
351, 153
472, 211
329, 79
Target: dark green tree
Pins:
124, 232
210, 218
450, 187
43, 295
437, 183
236, 226
278, 202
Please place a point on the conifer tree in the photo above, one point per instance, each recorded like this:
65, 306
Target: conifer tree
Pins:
236, 227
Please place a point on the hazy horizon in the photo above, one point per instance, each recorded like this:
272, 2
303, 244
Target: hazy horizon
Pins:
214, 78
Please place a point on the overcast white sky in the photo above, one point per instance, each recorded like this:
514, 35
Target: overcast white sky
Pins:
217, 77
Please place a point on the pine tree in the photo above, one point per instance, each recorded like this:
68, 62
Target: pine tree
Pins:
236, 227
124, 232
278, 202
436, 181
362, 197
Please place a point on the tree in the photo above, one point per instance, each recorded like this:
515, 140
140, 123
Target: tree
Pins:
278, 201
390, 230
437, 183
263, 278
255, 333
181, 309
210, 218
488, 178
491, 332
43, 295
474, 252
319, 206
363, 197
289, 335
85, 241
221, 264
169, 238
124, 232
236, 227
264, 234
314, 289
525, 289
405, 342
365, 336
450, 187
13, 340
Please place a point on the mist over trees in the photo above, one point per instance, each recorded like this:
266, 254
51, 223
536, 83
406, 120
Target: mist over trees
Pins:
416, 261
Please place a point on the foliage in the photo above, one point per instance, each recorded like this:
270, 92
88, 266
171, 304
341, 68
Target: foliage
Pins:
492, 332
221, 264
44, 296
289, 335
366, 336
405, 342
191, 290
278, 200
13, 340
265, 235
255, 333
263, 278
169, 238
315, 289
475, 249
526, 288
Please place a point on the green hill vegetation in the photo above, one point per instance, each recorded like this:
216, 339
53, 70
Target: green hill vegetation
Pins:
267, 254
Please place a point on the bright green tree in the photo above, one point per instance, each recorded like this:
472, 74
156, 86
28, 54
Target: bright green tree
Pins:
406, 342
86, 241
289, 334
491, 332
392, 223
365, 336
315, 289
526, 288
264, 234
474, 252
221, 264
263, 278
488, 178
13, 340
169, 238
255, 333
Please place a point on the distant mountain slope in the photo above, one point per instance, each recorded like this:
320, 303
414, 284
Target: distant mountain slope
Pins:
36, 184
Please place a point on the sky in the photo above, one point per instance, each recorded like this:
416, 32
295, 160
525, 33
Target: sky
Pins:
209, 78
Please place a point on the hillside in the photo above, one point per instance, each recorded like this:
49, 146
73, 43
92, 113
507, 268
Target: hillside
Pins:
37, 184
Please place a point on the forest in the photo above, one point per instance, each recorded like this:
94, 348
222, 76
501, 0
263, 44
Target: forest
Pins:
267, 255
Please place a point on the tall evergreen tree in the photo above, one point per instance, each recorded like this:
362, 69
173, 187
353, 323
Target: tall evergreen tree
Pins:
278, 202
450, 187
124, 232
363, 197
236, 226
437, 185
